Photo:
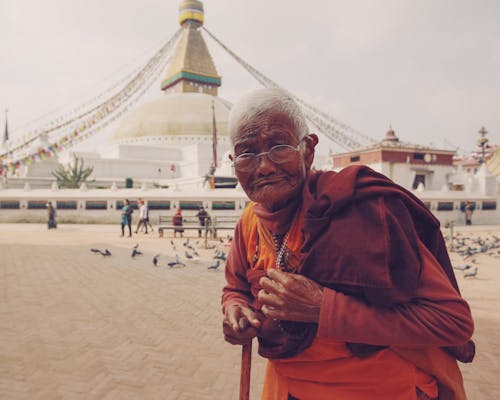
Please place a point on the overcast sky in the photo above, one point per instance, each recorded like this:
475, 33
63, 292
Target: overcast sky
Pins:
431, 68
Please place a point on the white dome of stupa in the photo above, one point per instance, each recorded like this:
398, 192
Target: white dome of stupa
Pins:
187, 115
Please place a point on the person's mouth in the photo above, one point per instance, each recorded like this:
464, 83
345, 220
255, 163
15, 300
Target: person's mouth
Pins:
268, 181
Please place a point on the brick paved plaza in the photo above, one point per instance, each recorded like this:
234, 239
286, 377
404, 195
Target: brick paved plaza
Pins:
75, 325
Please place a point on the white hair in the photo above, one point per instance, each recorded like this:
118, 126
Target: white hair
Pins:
263, 101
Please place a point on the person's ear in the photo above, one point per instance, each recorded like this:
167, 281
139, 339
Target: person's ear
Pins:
311, 141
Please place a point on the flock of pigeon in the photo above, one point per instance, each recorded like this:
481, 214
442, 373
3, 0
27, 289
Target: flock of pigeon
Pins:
465, 245
470, 245
190, 254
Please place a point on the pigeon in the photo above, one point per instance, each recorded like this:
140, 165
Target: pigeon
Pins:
214, 266
188, 255
172, 242
462, 267
105, 253
155, 260
471, 274
220, 256
136, 246
176, 263
136, 253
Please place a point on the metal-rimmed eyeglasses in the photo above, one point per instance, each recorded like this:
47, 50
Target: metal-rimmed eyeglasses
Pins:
279, 154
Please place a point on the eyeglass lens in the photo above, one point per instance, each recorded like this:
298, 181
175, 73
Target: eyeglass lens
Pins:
279, 154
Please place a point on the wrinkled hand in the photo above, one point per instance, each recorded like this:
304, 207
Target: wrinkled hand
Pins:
240, 324
290, 297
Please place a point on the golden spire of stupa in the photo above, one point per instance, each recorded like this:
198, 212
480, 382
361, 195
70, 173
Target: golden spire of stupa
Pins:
191, 68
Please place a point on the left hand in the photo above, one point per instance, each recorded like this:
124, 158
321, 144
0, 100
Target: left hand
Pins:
290, 297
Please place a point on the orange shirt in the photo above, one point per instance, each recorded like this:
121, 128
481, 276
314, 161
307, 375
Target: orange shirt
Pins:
327, 370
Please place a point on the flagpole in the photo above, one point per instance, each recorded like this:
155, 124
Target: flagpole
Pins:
6, 132
214, 136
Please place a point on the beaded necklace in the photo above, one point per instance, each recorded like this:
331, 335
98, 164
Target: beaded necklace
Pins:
281, 252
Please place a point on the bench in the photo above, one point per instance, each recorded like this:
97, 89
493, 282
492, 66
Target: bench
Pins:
193, 223
224, 222
188, 223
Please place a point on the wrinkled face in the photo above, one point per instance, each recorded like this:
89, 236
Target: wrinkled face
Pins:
269, 183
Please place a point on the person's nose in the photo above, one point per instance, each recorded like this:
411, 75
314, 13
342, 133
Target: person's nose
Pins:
264, 164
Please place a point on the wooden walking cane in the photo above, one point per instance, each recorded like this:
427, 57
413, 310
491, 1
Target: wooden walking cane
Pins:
246, 364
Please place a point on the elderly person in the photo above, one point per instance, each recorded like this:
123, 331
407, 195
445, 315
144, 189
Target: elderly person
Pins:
344, 278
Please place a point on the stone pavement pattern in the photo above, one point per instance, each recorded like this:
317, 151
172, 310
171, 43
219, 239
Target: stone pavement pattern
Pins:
74, 325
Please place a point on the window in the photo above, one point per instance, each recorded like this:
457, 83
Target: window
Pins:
355, 158
223, 205
159, 204
66, 204
418, 156
9, 204
96, 205
489, 205
190, 205
121, 203
445, 206
37, 204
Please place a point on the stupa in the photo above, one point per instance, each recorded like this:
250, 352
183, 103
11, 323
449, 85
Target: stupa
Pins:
182, 132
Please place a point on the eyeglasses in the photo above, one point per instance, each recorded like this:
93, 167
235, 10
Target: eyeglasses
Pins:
279, 154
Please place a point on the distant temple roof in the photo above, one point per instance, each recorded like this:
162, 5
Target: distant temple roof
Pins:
191, 68
390, 137
391, 141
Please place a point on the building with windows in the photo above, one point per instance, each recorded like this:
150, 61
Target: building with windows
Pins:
409, 165
433, 176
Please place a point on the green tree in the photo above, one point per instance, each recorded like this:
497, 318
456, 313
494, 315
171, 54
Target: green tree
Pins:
72, 175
